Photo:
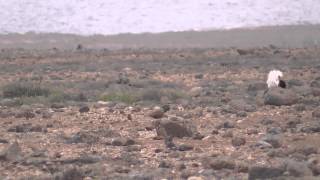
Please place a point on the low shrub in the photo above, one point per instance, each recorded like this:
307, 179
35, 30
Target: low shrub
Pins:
24, 89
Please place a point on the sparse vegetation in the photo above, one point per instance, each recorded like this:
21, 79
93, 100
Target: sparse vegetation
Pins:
124, 97
24, 89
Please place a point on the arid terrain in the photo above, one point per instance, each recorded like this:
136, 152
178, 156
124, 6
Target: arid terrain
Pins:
159, 114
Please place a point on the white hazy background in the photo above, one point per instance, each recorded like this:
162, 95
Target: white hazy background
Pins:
87, 17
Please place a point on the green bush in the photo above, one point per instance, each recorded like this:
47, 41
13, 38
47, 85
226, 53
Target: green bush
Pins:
125, 97
24, 89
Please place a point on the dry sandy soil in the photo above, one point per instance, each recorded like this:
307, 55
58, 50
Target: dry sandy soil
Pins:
159, 114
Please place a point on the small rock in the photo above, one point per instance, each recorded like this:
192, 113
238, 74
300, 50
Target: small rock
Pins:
122, 141
221, 163
198, 76
84, 109
226, 125
307, 150
242, 167
196, 91
298, 169
10, 102
274, 130
310, 127
179, 128
157, 113
300, 107
227, 134
71, 173
82, 137
195, 178
276, 153
316, 113
273, 140
185, 147
57, 106
266, 121
238, 141
279, 97
164, 164
166, 107
26, 114
295, 82
315, 83
242, 105
3, 141
252, 131
258, 86
11, 153
315, 91
260, 172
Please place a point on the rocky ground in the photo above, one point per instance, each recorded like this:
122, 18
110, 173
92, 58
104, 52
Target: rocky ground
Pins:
159, 114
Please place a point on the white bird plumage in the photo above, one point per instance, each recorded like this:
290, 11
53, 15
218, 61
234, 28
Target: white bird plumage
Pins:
274, 78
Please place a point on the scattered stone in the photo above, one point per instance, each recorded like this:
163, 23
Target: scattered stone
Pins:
219, 163
295, 82
71, 173
195, 178
164, 164
46, 114
280, 97
28, 127
123, 78
310, 127
293, 123
227, 134
196, 91
82, 137
260, 172
315, 91
168, 141
10, 102
122, 141
273, 140
11, 153
215, 132
57, 106
166, 107
4, 141
157, 112
306, 149
266, 121
258, 86
316, 113
120, 169
263, 145
276, 153
198, 76
84, 109
241, 105
298, 169
180, 128
226, 125
300, 107
274, 130
242, 167
252, 131
238, 141
185, 147
315, 83
25, 114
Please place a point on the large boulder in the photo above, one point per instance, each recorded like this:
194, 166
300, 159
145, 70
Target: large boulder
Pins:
280, 97
175, 128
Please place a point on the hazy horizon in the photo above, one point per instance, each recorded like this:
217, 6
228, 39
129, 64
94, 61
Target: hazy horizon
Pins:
107, 17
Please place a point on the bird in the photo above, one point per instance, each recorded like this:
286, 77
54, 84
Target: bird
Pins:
275, 79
